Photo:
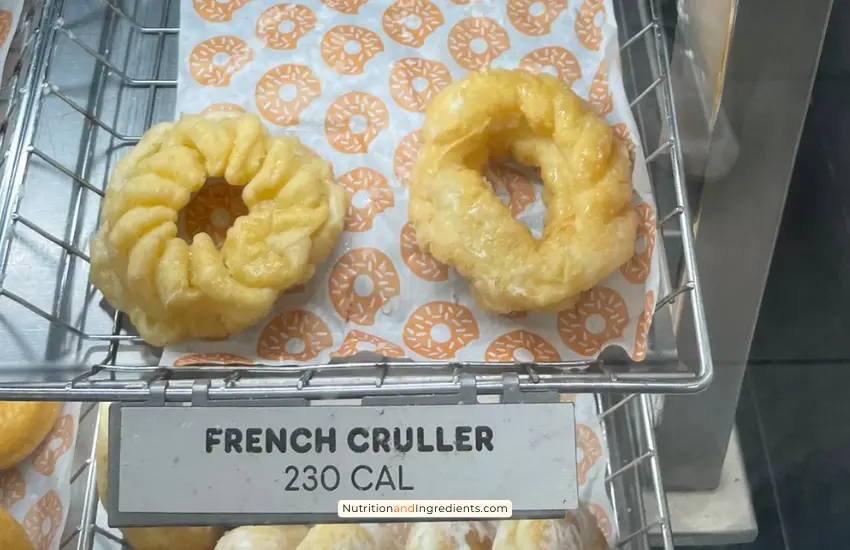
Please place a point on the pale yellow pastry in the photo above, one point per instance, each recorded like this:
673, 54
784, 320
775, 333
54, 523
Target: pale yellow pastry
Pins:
589, 227
149, 538
174, 290
382, 536
263, 537
12, 535
458, 535
23, 426
577, 531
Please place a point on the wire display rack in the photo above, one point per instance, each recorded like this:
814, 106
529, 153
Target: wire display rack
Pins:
89, 80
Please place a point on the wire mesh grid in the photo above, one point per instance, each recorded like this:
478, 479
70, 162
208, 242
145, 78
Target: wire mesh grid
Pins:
92, 78
633, 475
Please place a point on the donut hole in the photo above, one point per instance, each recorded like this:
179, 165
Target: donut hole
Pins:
212, 209
46, 526
286, 27
288, 92
419, 84
352, 47
364, 346
441, 333
551, 70
523, 355
294, 346
640, 244
537, 9
363, 286
358, 124
413, 22
505, 176
599, 18
221, 58
361, 199
478, 45
595, 323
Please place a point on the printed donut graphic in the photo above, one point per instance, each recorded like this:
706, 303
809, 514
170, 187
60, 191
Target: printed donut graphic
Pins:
347, 48
355, 340
599, 305
6, 20
223, 108
213, 210
636, 270
599, 95
410, 22
504, 348
455, 324
43, 520
520, 191
55, 445
415, 81
589, 33
297, 20
215, 60
212, 359
535, 17
622, 132
475, 42
296, 335
348, 110
602, 519
560, 60
13, 487
302, 89
591, 451
216, 11
370, 270
421, 263
405, 156
369, 194
351, 7
644, 321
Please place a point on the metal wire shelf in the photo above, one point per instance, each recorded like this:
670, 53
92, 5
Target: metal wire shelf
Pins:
99, 81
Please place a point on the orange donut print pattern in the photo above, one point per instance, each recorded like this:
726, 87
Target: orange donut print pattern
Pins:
214, 61
415, 81
622, 132
438, 330
13, 487
302, 88
42, 521
347, 48
55, 446
599, 317
405, 156
505, 348
535, 17
560, 60
588, 26
212, 359
422, 264
361, 283
520, 191
354, 120
294, 336
376, 194
217, 11
281, 27
223, 108
599, 95
602, 519
410, 22
644, 321
636, 270
475, 42
351, 7
357, 341
591, 451
213, 210
6, 20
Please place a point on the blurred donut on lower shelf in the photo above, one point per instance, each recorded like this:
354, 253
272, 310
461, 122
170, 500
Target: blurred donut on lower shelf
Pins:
263, 537
379, 536
578, 530
12, 535
23, 426
460, 535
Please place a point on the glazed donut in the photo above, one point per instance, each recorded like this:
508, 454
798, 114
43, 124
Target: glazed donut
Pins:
344, 113
560, 60
408, 73
372, 185
54, 446
411, 22
600, 305
461, 535
223, 108
212, 359
23, 426
12, 534
296, 335
526, 19
504, 348
589, 33
353, 536
465, 36
636, 270
13, 487
644, 321
577, 531
599, 95
173, 290
419, 331
297, 18
263, 537
357, 341
212, 210
405, 156
351, 7
347, 48
205, 67
520, 190
422, 264
372, 271
217, 11
303, 88
147, 538
590, 226
591, 451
